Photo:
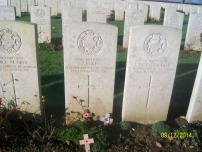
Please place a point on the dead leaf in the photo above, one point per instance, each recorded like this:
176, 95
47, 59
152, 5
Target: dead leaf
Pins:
170, 138
158, 144
184, 145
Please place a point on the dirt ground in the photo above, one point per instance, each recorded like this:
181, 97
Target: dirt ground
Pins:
137, 139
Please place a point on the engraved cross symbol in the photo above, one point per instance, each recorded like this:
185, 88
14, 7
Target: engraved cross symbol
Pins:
149, 90
89, 89
14, 87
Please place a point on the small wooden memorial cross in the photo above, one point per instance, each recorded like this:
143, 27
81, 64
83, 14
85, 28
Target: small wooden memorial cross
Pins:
89, 89
149, 90
106, 119
86, 142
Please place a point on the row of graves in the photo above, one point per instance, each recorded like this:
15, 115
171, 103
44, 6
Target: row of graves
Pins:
136, 13
90, 61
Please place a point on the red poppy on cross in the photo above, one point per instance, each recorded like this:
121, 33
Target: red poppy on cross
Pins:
86, 114
86, 142
106, 119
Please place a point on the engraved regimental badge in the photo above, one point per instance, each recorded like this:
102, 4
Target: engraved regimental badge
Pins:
89, 42
155, 45
10, 41
40, 13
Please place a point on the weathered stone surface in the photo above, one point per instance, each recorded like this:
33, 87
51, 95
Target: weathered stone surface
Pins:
71, 14
66, 4
23, 5
89, 67
200, 9
180, 7
174, 19
79, 3
155, 12
96, 15
31, 3
151, 65
41, 2
91, 4
132, 18
194, 110
53, 4
108, 5
144, 8
186, 9
193, 9
19, 66
132, 5
120, 7
16, 4
194, 29
3, 2
41, 16
7, 13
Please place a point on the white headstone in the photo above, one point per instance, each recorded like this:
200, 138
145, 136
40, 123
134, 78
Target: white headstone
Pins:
151, 65
66, 4
193, 9
7, 13
19, 69
41, 2
31, 3
180, 7
155, 12
200, 9
59, 6
3, 2
120, 7
41, 16
23, 5
169, 9
96, 15
174, 20
132, 5
186, 9
133, 17
91, 4
144, 8
194, 29
16, 4
108, 6
89, 67
80, 4
54, 7
194, 110
71, 15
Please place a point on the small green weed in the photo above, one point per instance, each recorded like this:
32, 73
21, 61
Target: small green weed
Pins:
125, 126
74, 133
100, 137
159, 127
